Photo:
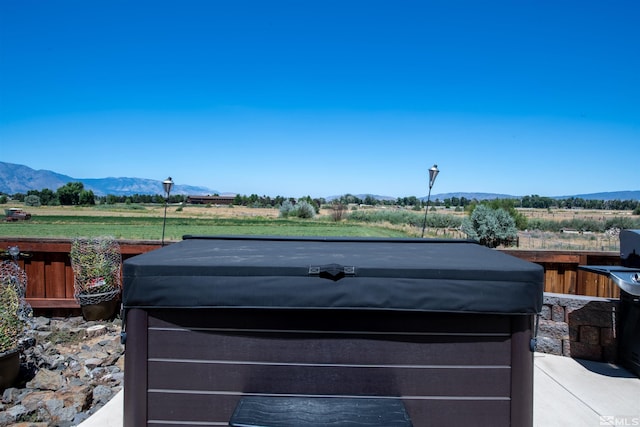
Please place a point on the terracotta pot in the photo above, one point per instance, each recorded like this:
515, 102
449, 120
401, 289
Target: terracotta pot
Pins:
9, 368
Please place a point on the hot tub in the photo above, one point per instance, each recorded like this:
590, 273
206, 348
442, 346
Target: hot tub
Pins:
443, 325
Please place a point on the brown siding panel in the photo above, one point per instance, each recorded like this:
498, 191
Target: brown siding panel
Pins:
329, 349
423, 412
135, 364
447, 368
353, 380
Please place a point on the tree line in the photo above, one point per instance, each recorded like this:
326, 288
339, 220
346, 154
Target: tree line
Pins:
74, 193
491, 222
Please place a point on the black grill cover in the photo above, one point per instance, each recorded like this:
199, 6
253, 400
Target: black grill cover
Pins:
332, 273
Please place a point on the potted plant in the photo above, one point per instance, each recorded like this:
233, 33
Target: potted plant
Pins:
96, 264
14, 313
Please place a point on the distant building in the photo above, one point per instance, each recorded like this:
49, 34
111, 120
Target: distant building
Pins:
210, 200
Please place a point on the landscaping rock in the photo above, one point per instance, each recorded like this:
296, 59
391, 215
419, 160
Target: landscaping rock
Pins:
46, 380
95, 331
30, 425
69, 369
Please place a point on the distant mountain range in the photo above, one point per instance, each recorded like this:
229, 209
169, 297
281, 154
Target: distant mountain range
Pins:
16, 178
20, 179
471, 196
612, 195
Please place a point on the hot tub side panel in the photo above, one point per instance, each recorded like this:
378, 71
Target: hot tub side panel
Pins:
136, 368
521, 371
449, 369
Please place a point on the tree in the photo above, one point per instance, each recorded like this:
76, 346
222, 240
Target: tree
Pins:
69, 194
370, 200
347, 199
86, 198
537, 202
490, 227
47, 197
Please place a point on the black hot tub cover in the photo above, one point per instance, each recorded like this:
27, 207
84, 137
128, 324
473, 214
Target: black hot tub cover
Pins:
332, 273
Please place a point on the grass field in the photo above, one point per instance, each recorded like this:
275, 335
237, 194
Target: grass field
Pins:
590, 241
144, 222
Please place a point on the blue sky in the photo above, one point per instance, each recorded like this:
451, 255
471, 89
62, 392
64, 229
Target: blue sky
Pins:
327, 97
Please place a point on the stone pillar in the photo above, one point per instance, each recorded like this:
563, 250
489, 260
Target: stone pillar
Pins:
578, 326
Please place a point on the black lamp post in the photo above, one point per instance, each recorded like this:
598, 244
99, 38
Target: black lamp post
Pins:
167, 185
433, 173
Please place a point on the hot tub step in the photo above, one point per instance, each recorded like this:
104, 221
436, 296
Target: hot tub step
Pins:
263, 411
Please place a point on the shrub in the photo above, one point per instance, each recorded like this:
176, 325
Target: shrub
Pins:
582, 224
490, 227
32, 200
97, 264
621, 223
303, 209
286, 208
406, 217
14, 311
338, 211
507, 205
11, 325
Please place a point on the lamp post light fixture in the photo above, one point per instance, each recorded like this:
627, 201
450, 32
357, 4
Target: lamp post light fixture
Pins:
433, 173
167, 185
14, 252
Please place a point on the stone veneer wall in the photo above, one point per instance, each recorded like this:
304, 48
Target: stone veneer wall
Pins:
578, 326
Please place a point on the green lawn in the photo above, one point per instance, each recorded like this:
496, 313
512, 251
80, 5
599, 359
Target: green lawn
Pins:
150, 228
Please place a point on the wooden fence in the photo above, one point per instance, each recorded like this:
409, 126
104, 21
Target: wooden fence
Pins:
49, 273
50, 277
562, 276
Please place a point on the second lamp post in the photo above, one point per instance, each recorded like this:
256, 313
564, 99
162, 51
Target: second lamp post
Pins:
167, 185
433, 173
